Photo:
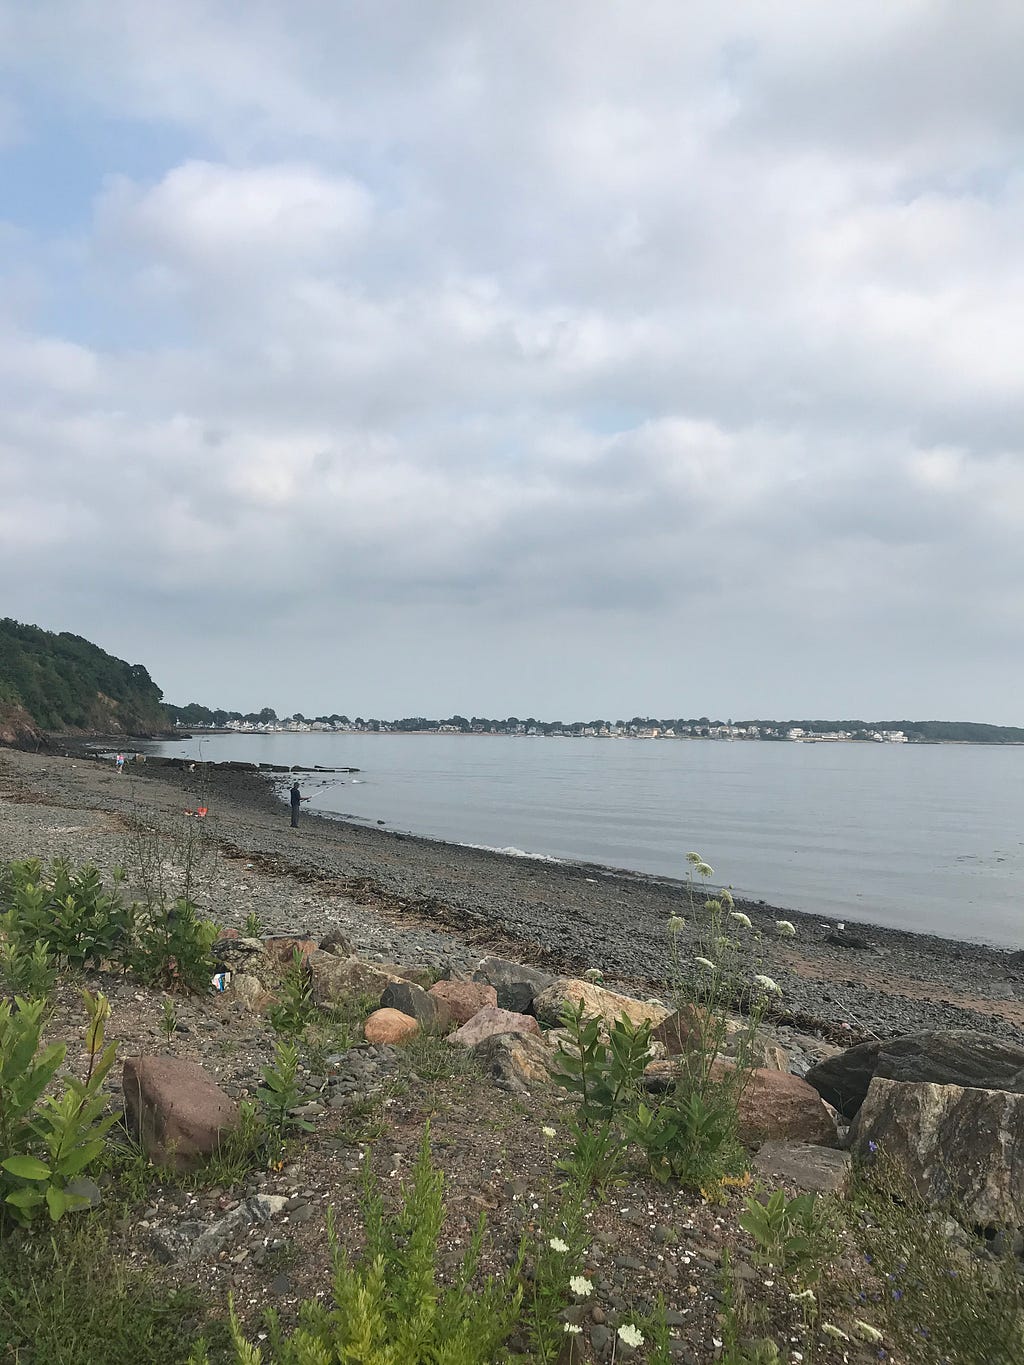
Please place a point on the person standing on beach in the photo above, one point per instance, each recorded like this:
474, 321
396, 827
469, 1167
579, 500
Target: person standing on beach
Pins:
119, 764
296, 796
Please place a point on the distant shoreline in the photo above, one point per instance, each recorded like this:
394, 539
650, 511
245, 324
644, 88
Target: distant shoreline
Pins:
197, 733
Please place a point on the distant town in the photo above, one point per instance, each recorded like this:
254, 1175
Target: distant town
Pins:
266, 721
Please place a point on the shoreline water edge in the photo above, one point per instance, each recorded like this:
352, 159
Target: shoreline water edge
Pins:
854, 982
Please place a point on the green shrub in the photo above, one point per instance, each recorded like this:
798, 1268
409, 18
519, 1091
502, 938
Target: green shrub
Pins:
279, 1095
388, 1307
29, 973
173, 947
78, 921
690, 1136
790, 1234
295, 1007
47, 1140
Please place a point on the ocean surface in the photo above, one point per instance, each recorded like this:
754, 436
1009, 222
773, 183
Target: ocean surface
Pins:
922, 837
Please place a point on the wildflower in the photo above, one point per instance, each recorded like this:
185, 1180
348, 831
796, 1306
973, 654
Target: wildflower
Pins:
868, 1332
741, 918
579, 1284
805, 1296
572, 1328
704, 871
726, 897
705, 962
767, 984
630, 1335
556, 1244
831, 1330
593, 974
675, 924
785, 928
548, 1132
694, 859
872, 1146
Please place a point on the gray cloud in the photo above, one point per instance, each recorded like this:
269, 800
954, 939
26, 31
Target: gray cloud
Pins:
543, 360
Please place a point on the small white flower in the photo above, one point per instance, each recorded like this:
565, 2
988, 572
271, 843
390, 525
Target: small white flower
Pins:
704, 871
556, 1244
572, 1328
785, 929
694, 858
630, 1335
741, 918
705, 962
767, 984
806, 1296
831, 1330
579, 1284
675, 924
726, 897
548, 1132
868, 1332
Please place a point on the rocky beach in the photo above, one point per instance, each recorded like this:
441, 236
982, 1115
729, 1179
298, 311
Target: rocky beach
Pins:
401, 897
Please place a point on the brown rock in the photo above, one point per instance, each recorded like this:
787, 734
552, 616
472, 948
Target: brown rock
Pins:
335, 980
226, 935
282, 950
424, 977
804, 1167
177, 1112
464, 998
598, 1003
491, 1021
957, 1146
335, 942
518, 1062
390, 1026
774, 1104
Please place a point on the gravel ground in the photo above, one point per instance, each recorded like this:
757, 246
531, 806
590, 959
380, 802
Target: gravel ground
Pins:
422, 901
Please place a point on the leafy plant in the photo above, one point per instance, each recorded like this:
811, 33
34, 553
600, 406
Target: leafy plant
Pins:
690, 1137
279, 1095
605, 1074
388, 1307
253, 924
28, 973
295, 1007
788, 1232
173, 947
168, 1019
71, 913
46, 1141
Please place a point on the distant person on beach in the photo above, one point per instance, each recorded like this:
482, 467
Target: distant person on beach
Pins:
296, 796
119, 763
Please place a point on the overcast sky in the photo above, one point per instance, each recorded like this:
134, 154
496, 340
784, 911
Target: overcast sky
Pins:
564, 359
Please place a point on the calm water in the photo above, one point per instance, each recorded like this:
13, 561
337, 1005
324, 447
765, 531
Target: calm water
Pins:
912, 836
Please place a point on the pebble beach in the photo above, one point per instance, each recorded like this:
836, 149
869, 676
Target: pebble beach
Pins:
396, 896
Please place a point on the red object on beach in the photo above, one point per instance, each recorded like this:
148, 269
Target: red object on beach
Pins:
201, 812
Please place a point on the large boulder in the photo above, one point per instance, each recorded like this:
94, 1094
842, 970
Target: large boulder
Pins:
282, 950
464, 998
488, 1022
690, 1030
961, 1057
430, 1012
958, 1147
338, 980
517, 1062
177, 1112
515, 983
598, 1003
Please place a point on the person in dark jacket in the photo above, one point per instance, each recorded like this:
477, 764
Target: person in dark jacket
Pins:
296, 796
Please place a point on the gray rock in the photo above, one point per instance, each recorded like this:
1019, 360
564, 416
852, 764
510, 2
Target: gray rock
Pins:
430, 1013
86, 1189
957, 1147
517, 1062
963, 1057
515, 983
805, 1167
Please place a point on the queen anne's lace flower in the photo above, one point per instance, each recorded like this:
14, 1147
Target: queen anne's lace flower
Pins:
579, 1284
785, 929
630, 1335
767, 984
675, 924
741, 918
865, 1330
705, 962
573, 1328
556, 1244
